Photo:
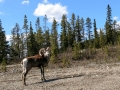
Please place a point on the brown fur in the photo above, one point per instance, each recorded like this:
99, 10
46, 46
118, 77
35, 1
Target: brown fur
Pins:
34, 61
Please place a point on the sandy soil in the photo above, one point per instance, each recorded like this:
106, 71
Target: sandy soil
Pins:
78, 77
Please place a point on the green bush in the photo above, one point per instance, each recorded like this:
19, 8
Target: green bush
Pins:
65, 61
3, 65
53, 59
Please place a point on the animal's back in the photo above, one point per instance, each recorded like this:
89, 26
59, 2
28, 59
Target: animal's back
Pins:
37, 60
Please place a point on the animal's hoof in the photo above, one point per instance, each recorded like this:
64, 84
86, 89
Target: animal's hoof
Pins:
25, 84
43, 80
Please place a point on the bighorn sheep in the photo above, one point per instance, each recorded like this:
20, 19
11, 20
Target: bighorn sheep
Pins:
40, 60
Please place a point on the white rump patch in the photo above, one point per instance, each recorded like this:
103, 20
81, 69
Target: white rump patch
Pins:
25, 61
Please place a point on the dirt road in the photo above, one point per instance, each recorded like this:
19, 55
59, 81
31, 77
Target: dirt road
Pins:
87, 77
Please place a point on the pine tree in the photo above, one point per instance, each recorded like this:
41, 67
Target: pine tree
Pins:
54, 40
108, 26
102, 38
32, 44
76, 50
15, 41
39, 34
89, 32
83, 36
3, 44
73, 20
47, 38
82, 29
69, 35
21, 45
39, 38
88, 26
64, 41
78, 30
96, 36
46, 33
37, 24
45, 23
114, 31
25, 27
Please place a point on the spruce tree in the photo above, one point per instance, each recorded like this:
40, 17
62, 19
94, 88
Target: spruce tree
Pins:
39, 34
96, 36
83, 36
39, 38
82, 29
76, 50
54, 40
64, 41
89, 26
73, 20
15, 41
108, 26
45, 22
89, 32
25, 27
21, 45
102, 38
47, 38
46, 33
37, 24
69, 35
78, 30
114, 31
32, 44
3, 44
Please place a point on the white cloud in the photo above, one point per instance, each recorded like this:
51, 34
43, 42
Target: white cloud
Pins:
115, 18
25, 2
118, 22
1, 0
51, 10
45, 1
8, 37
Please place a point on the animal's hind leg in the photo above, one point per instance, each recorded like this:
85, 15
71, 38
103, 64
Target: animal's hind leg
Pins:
24, 77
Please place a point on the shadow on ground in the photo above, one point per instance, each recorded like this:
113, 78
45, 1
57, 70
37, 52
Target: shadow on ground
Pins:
60, 77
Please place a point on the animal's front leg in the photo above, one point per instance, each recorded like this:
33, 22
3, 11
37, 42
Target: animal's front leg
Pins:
42, 73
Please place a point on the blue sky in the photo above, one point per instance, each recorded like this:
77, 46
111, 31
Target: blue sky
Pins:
13, 11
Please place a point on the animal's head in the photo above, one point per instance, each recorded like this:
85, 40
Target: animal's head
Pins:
45, 52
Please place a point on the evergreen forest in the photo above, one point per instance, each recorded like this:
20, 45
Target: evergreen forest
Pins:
74, 39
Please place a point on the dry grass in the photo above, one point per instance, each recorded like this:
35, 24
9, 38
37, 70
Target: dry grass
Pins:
100, 72
80, 76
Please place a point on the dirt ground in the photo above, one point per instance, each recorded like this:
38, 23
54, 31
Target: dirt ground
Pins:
77, 77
